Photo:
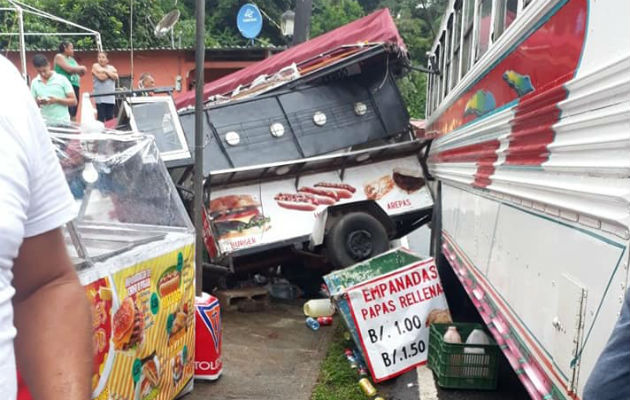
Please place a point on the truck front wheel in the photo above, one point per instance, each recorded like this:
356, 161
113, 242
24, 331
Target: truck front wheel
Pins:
355, 237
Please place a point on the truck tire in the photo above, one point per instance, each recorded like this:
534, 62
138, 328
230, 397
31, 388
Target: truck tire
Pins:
355, 237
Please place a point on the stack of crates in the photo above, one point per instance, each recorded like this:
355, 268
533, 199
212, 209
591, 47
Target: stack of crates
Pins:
460, 365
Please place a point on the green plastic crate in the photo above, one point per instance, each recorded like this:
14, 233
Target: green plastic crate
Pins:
457, 369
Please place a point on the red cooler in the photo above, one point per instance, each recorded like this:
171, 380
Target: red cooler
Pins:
208, 338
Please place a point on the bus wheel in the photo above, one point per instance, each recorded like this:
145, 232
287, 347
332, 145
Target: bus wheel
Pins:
355, 237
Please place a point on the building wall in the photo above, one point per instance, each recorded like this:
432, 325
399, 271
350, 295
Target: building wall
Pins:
164, 65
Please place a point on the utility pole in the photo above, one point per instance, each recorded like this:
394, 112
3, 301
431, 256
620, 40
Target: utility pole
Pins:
303, 9
200, 50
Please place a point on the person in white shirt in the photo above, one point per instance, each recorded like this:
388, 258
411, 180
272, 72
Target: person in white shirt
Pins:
45, 319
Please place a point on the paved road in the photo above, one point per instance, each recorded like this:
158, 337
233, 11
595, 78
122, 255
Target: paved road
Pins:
267, 355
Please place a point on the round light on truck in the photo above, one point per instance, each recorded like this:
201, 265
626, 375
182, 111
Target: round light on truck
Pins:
277, 129
360, 108
232, 138
319, 118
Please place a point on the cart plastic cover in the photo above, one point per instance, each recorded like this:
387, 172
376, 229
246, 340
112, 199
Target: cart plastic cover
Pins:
118, 178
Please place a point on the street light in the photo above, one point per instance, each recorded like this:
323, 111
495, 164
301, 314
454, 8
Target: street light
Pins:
287, 23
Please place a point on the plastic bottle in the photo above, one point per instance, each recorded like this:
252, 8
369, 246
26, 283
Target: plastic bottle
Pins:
312, 323
367, 387
319, 308
477, 336
452, 335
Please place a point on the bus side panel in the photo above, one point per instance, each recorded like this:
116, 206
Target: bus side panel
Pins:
538, 281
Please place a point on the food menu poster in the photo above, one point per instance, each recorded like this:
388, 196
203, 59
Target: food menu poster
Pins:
253, 215
143, 329
392, 314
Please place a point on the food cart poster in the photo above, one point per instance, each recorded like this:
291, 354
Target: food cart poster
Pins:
143, 328
392, 316
254, 215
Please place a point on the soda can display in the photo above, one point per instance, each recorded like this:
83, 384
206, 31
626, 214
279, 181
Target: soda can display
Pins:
367, 387
325, 321
208, 338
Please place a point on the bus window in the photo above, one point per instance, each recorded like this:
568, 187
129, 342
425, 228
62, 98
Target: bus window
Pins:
442, 71
484, 18
457, 26
468, 28
431, 89
438, 79
506, 13
447, 55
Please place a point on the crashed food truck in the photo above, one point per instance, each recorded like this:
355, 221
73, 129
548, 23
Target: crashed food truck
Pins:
308, 152
530, 114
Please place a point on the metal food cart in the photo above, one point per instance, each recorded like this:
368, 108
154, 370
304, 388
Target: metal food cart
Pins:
133, 246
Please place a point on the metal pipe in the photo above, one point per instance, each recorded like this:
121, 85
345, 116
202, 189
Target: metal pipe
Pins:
46, 33
198, 169
131, 38
99, 42
32, 10
22, 45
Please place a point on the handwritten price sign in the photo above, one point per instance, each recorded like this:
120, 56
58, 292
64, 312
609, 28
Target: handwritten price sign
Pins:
391, 314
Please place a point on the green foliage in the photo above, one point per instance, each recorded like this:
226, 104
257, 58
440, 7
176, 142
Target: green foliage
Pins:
331, 14
337, 381
413, 90
417, 20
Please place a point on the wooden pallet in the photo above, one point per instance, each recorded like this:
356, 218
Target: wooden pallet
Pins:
248, 299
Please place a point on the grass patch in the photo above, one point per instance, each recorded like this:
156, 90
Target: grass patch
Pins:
337, 381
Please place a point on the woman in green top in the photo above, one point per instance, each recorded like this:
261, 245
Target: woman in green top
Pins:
66, 65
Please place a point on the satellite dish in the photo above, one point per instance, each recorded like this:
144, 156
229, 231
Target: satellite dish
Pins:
166, 23
249, 21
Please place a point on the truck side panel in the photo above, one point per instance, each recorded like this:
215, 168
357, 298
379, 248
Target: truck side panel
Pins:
286, 218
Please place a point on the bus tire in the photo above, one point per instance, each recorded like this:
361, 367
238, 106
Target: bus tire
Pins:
356, 236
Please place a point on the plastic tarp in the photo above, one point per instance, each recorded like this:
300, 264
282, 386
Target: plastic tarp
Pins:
118, 178
376, 27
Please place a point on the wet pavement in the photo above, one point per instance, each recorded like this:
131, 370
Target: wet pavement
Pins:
267, 355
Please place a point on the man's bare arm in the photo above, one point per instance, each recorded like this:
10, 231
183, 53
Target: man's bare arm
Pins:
99, 72
70, 100
112, 72
53, 319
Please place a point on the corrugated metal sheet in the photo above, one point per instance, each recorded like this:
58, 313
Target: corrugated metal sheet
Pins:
576, 168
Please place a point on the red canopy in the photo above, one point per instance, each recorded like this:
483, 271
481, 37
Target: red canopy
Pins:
376, 27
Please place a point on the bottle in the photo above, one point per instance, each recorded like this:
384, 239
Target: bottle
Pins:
312, 323
367, 387
363, 371
452, 336
319, 308
477, 336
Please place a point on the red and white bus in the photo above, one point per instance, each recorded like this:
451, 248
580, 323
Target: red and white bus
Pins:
529, 108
